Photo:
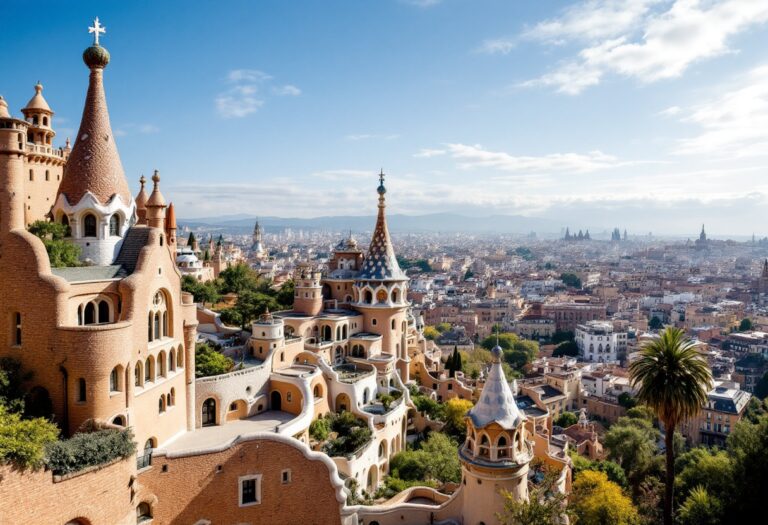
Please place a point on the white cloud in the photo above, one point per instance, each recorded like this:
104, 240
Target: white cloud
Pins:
287, 90
132, 128
343, 174
427, 153
734, 123
475, 156
422, 3
643, 43
670, 111
247, 93
370, 136
498, 46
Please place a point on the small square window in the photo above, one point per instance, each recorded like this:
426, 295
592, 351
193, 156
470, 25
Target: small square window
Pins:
286, 476
250, 490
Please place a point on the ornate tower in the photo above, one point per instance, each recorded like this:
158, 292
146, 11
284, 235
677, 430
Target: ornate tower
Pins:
381, 288
156, 205
170, 229
496, 453
257, 248
141, 202
93, 197
308, 294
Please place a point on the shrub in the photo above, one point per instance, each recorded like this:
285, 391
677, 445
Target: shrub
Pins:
319, 429
23, 441
89, 449
209, 362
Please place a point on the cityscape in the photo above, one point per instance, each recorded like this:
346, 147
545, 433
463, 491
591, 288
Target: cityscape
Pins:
438, 333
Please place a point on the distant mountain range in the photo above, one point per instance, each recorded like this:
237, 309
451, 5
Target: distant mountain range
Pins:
435, 222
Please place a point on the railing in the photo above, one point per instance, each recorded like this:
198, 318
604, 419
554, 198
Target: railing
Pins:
144, 460
45, 150
222, 377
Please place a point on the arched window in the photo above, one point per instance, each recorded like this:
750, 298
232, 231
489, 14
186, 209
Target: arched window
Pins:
103, 312
90, 314
156, 330
501, 447
137, 374
161, 364
368, 297
89, 225
47, 175
484, 446
114, 225
45, 121
180, 357
114, 378
165, 324
149, 327
318, 391
149, 366
143, 513
65, 222
161, 404
81, 394
171, 360
394, 295
172, 396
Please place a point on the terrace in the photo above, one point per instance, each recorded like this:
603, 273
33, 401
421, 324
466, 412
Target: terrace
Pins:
352, 372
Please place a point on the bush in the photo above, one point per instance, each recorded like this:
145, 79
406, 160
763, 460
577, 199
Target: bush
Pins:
23, 441
60, 251
319, 429
209, 362
89, 449
566, 419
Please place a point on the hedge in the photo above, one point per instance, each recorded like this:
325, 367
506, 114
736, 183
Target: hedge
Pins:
89, 449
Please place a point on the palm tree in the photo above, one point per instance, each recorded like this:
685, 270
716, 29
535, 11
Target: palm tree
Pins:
672, 380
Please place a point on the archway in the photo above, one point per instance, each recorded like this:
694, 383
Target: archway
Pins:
342, 402
276, 401
209, 412
119, 420
38, 403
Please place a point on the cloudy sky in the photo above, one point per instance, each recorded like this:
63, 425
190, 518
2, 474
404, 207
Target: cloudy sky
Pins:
645, 114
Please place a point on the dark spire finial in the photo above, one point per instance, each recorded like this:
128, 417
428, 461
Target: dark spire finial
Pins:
381, 189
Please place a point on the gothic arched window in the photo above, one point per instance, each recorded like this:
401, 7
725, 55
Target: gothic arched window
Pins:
89, 225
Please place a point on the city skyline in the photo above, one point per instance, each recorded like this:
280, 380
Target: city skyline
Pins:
639, 114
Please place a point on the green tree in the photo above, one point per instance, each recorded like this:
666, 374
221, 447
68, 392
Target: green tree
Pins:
545, 505
455, 411
701, 508
597, 501
626, 400
61, 252
23, 441
672, 380
209, 362
285, 295
442, 458
745, 325
747, 445
566, 348
566, 419
632, 444
191, 239
238, 278
431, 333
251, 304
709, 469
517, 352
761, 388
12, 379
443, 327
570, 279
319, 429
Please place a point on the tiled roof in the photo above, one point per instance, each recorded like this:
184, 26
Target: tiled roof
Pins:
381, 264
496, 404
135, 239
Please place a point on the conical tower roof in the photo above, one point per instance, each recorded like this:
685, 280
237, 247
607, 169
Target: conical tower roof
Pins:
37, 102
497, 403
4, 108
380, 263
94, 164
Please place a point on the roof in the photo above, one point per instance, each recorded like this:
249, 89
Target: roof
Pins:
90, 273
4, 108
94, 163
496, 404
135, 239
728, 400
380, 263
37, 102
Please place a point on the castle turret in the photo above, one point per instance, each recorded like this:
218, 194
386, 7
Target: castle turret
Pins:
308, 291
13, 136
39, 115
93, 197
496, 452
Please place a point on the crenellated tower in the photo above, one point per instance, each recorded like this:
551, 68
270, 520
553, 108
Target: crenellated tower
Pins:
308, 290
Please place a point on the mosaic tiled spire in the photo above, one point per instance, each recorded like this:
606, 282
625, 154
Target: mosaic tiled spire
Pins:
381, 264
496, 403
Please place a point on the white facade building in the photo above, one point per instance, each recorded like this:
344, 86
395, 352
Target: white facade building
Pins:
599, 342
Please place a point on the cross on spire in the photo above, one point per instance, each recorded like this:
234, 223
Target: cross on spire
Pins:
96, 29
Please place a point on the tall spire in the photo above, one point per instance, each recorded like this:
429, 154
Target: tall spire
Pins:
94, 164
497, 403
381, 263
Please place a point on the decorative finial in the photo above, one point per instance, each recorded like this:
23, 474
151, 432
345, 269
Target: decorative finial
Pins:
142, 180
381, 189
156, 177
96, 29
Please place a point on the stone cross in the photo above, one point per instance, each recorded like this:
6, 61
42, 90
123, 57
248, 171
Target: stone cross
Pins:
96, 29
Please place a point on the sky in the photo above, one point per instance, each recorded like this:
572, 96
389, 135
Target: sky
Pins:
650, 115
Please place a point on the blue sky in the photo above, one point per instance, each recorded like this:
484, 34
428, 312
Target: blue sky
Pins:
646, 114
